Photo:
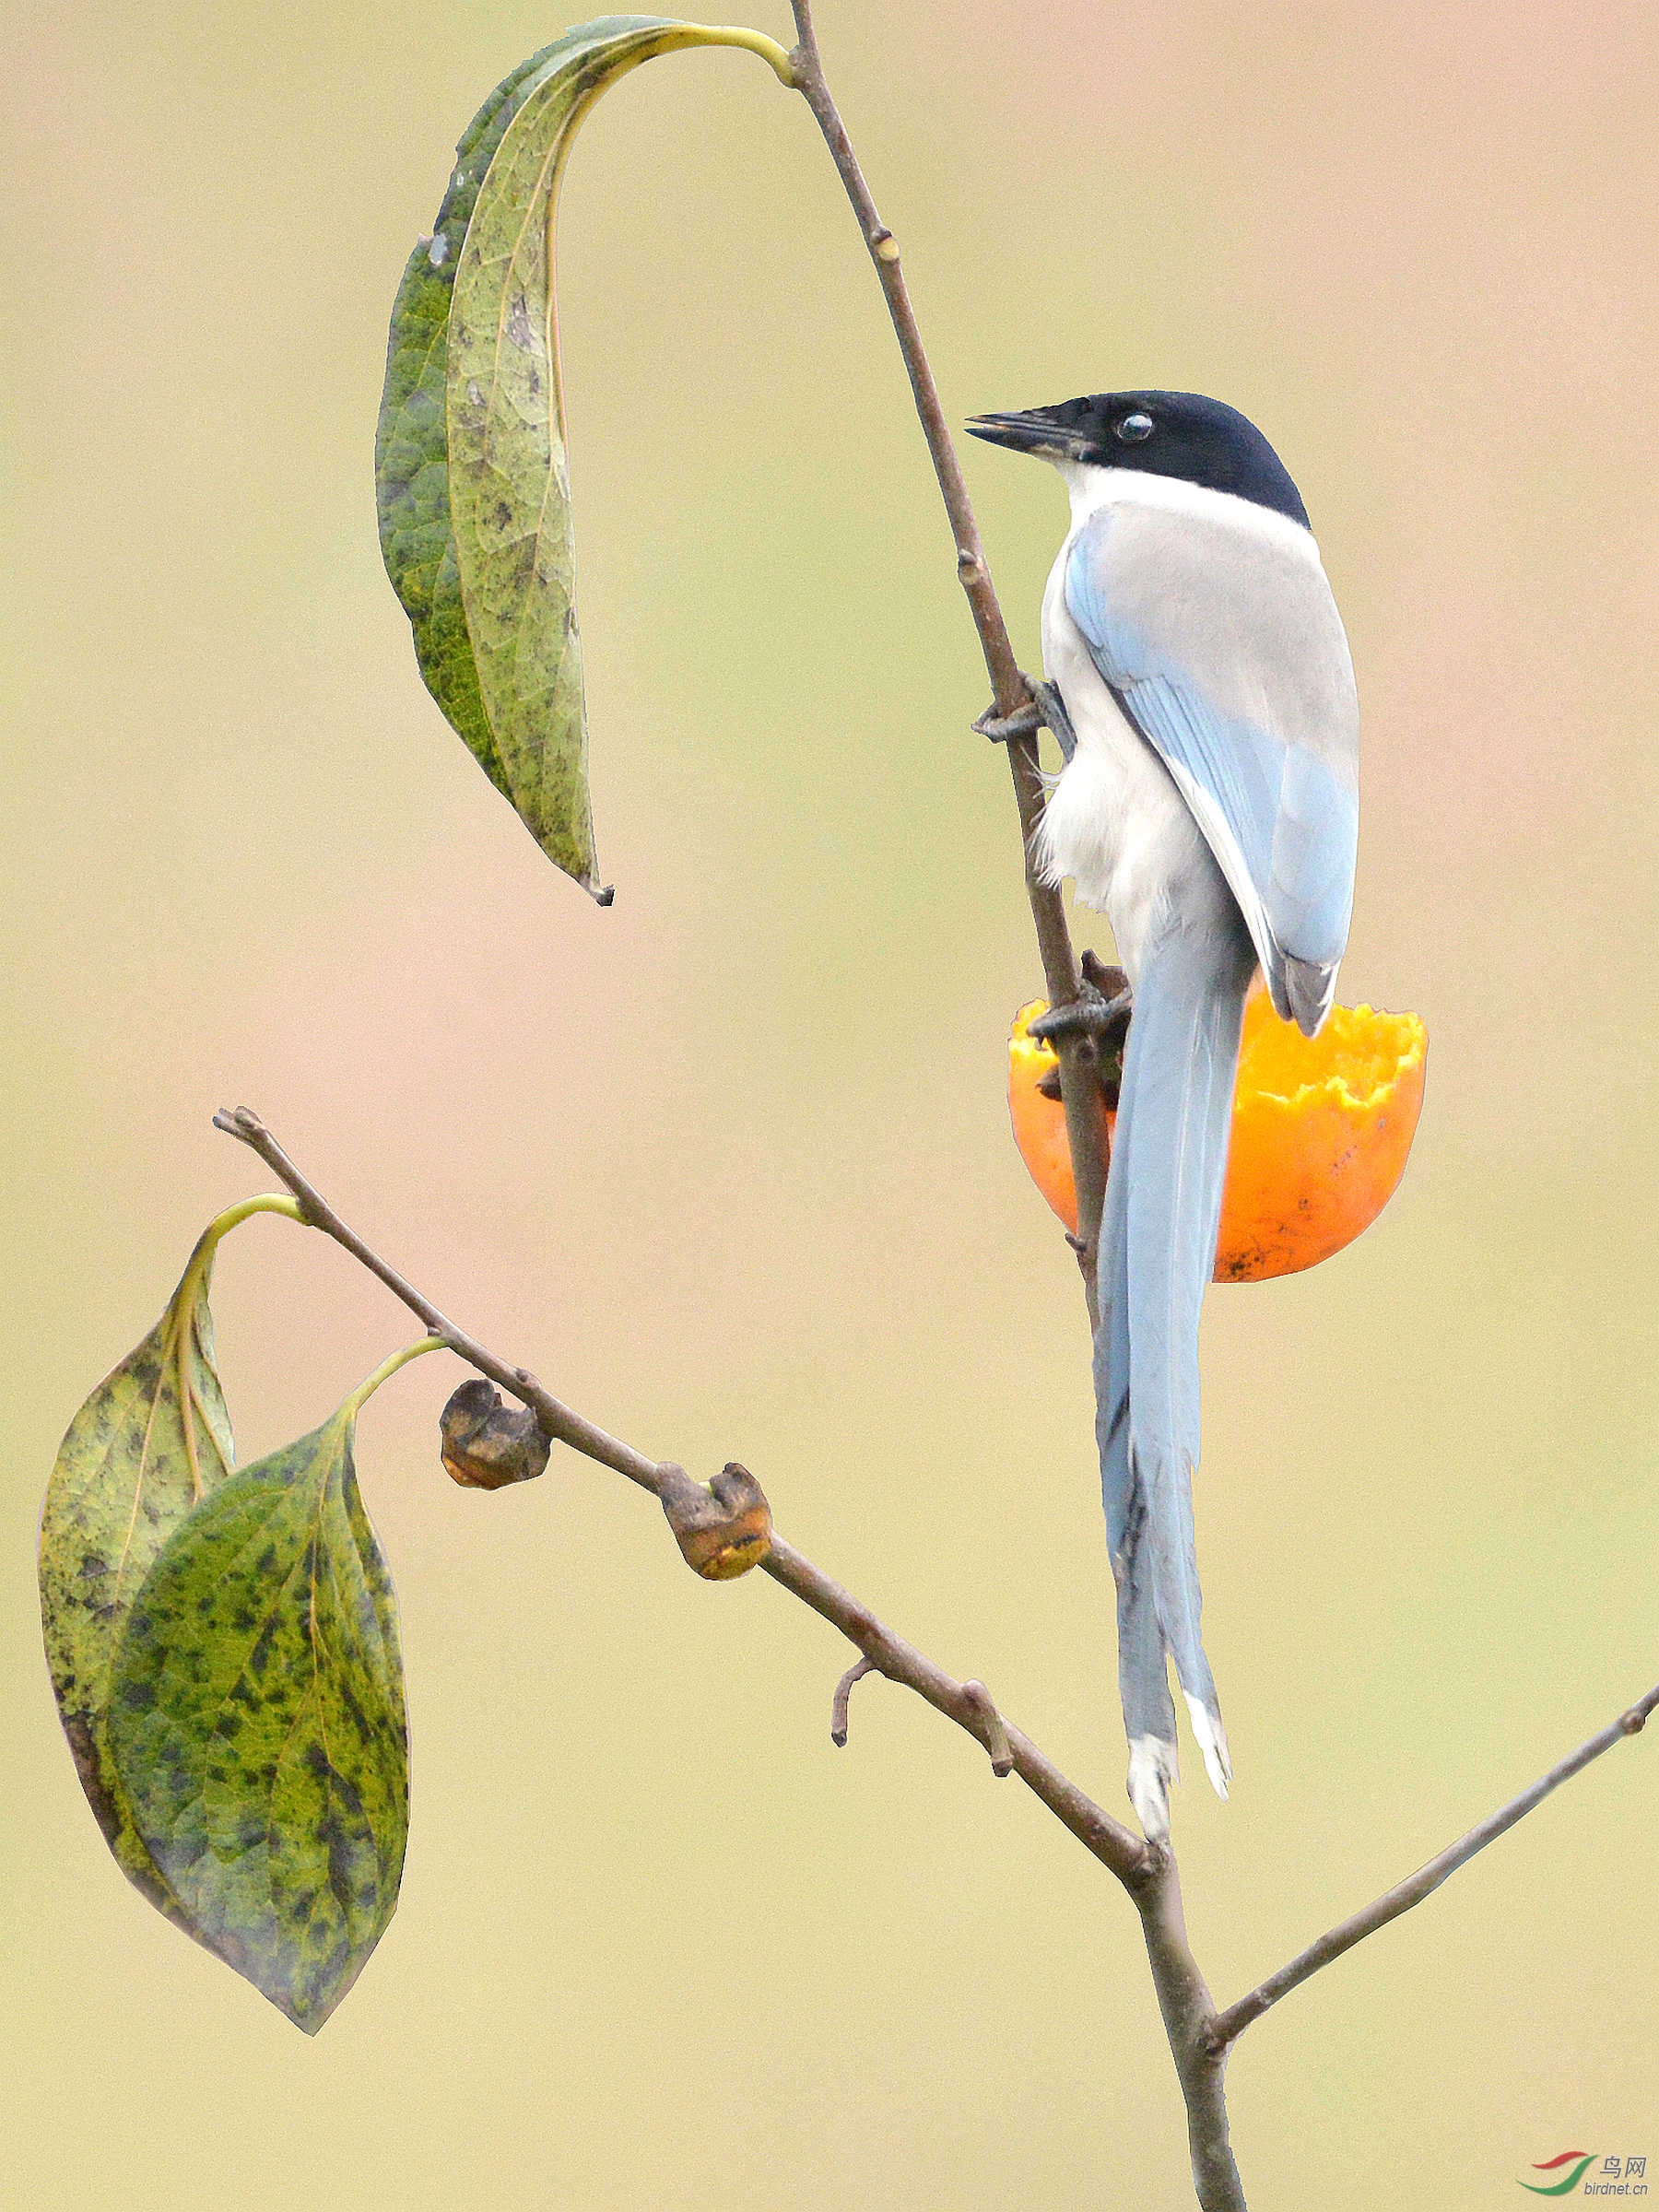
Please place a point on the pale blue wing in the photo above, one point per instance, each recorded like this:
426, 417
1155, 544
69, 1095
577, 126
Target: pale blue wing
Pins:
1222, 644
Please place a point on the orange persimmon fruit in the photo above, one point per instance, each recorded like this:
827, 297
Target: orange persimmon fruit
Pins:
1321, 1129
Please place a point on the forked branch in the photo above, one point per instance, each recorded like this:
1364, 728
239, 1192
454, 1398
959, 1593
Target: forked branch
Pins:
1232, 2023
1200, 2037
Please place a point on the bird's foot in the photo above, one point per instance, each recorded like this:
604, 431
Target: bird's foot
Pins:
1100, 1010
1091, 1015
1046, 709
1100, 1018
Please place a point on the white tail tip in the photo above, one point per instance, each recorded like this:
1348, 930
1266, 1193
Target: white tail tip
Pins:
1152, 1768
1212, 1742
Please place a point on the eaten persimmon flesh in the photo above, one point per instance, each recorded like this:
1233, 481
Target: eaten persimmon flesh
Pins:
1321, 1129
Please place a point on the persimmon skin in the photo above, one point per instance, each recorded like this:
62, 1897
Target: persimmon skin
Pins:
1322, 1129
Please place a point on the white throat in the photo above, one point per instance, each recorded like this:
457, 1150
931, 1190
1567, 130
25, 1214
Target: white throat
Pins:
1092, 488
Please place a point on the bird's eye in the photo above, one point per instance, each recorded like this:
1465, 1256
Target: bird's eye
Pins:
1134, 429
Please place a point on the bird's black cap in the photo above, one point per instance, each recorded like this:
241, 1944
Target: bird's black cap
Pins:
1164, 433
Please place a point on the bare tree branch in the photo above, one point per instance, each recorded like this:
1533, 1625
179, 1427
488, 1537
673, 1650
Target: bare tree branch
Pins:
1188, 2011
1114, 1845
1116, 1848
1232, 2024
1077, 1056
1148, 1874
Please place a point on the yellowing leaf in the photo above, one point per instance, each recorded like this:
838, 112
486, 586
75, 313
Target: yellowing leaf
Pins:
146, 1447
474, 491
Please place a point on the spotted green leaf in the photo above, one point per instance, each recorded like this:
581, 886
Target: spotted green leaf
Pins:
473, 488
146, 1447
257, 1724
411, 451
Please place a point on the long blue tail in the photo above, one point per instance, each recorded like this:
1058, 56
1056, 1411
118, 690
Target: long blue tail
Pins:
1156, 1253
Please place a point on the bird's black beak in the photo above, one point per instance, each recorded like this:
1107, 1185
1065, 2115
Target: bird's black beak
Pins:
1036, 431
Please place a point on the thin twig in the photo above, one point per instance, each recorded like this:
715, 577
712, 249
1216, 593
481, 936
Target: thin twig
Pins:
841, 1719
1230, 2024
1113, 1844
1008, 685
558, 1420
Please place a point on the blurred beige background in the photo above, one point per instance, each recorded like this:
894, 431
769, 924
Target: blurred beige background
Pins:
729, 1164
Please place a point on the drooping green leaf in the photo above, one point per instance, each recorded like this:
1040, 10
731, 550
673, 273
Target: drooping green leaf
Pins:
146, 1447
258, 1729
473, 488
411, 449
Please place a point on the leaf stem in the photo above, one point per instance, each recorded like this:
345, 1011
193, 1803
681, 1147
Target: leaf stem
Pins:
268, 1202
755, 41
386, 1370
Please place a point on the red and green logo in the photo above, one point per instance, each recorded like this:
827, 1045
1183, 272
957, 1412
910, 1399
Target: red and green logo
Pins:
1618, 2175
1579, 2161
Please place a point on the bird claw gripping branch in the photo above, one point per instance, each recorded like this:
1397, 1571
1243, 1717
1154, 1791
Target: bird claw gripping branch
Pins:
1101, 1016
1044, 710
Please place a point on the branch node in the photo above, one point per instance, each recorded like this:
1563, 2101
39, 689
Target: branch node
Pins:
977, 1698
722, 1528
838, 1719
885, 246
